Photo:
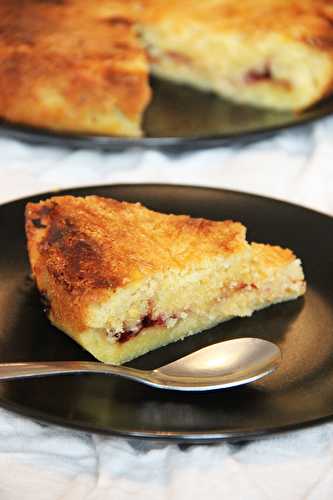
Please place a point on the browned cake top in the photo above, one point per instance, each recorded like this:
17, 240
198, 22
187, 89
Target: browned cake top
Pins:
96, 243
86, 50
309, 21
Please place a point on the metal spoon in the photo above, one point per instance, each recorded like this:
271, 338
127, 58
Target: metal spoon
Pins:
226, 364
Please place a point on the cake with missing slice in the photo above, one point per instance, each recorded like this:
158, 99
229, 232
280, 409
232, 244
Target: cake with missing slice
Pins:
122, 280
83, 66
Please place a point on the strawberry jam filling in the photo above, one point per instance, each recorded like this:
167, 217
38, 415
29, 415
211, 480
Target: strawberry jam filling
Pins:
265, 75
146, 322
256, 75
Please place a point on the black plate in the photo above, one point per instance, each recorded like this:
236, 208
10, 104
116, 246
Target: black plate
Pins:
179, 118
300, 392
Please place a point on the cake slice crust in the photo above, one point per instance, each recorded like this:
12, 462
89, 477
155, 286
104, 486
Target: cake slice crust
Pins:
122, 279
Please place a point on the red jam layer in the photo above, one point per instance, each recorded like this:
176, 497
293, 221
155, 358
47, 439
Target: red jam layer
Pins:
146, 322
256, 75
161, 320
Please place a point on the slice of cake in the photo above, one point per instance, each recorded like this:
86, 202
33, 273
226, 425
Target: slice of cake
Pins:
72, 66
122, 279
273, 53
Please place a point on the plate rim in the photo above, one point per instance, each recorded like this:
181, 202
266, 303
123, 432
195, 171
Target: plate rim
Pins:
174, 437
193, 437
234, 192
71, 140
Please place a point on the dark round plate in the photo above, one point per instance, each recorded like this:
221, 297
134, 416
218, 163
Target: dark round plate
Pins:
179, 118
298, 393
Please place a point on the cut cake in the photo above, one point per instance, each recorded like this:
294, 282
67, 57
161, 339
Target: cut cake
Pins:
82, 66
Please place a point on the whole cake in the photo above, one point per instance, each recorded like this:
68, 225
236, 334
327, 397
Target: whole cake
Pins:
83, 65
123, 280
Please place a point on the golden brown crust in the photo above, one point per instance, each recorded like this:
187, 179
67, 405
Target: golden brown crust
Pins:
82, 249
272, 256
100, 243
71, 65
308, 21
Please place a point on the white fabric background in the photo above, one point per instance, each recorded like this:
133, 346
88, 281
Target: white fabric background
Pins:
44, 462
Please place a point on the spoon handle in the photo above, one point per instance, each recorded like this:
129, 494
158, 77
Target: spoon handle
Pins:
11, 371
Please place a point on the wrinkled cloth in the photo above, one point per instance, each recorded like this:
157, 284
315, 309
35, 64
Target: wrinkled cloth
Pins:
46, 462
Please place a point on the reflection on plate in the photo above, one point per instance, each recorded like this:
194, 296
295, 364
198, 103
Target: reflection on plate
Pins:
298, 393
180, 117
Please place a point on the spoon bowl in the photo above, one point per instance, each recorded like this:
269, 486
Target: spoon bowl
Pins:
225, 364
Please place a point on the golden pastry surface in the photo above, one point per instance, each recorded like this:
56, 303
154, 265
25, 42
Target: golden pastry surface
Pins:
93, 242
72, 65
309, 21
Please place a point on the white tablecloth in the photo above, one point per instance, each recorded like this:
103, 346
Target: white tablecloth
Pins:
46, 462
